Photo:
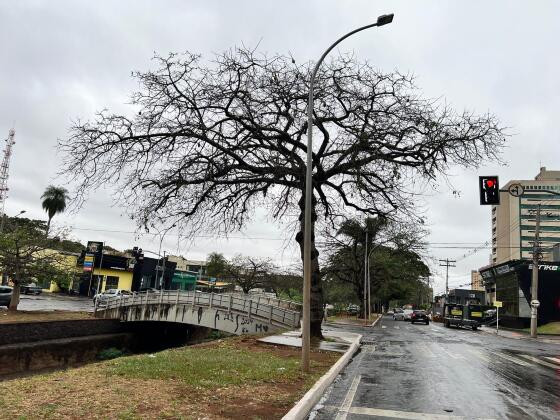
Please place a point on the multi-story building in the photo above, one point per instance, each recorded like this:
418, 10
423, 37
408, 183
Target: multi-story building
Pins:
513, 221
476, 280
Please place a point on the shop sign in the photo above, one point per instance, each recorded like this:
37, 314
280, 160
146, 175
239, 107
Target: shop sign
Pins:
546, 267
503, 269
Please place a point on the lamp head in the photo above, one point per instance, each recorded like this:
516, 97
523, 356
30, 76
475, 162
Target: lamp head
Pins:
385, 19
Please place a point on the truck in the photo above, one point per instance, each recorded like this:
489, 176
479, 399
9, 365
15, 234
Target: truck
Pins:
471, 316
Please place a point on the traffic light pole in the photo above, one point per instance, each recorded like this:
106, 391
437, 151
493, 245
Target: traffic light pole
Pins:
535, 275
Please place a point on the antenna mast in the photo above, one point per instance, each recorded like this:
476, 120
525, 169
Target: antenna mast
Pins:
4, 170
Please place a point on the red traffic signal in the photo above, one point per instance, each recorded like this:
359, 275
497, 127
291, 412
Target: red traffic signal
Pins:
489, 189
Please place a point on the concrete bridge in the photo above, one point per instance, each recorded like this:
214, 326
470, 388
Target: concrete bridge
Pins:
232, 313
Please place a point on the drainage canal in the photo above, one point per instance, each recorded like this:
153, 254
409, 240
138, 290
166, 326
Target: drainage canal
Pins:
35, 347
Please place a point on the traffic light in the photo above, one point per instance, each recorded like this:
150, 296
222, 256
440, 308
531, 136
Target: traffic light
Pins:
489, 190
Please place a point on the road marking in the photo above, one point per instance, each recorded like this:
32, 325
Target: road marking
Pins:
343, 410
542, 362
383, 326
512, 359
402, 414
554, 359
397, 327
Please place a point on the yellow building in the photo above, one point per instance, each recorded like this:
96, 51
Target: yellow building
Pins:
111, 278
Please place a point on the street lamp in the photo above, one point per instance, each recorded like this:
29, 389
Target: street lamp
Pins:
162, 236
305, 328
4, 217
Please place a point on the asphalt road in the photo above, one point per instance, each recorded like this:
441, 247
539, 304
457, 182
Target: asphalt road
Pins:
427, 372
50, 302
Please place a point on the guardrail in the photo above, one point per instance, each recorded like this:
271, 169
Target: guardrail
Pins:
277, 311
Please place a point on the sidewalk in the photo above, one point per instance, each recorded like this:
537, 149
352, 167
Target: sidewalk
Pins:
554, 339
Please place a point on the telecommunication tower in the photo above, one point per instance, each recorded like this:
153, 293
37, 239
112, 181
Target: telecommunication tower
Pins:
4, 170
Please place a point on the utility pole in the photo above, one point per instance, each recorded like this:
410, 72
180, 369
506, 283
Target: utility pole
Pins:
447, 263
535, 275
365, 279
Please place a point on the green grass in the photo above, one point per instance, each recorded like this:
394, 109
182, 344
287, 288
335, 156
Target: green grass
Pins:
207, 367
550, 328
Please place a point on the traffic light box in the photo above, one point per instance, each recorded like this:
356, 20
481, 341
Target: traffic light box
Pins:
489, 188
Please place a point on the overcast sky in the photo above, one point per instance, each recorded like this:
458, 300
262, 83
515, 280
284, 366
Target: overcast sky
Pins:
63, 60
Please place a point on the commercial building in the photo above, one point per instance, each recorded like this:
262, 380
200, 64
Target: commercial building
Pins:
107, 272
511, 285
513, 221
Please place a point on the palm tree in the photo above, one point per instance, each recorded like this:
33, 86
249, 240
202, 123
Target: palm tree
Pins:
54, 201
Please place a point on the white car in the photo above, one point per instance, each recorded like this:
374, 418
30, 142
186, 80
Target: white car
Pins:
110, 293
398, 315
408, 314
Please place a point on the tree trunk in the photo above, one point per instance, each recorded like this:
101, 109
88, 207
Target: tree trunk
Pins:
48, 227
14, 301
316, 295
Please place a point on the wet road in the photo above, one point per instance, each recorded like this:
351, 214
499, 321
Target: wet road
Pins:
50, 302
429, 372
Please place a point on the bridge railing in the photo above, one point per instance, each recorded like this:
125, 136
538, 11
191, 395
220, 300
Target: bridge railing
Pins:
274, 310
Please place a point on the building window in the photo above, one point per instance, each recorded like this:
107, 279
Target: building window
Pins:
112, 282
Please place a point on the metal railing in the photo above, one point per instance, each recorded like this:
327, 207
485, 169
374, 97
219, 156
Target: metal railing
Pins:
277, 311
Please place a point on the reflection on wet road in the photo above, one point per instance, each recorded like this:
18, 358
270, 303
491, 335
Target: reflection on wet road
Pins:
430, 372
55, 302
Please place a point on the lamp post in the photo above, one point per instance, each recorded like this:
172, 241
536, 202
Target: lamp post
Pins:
306, 327
162, 237
4, 217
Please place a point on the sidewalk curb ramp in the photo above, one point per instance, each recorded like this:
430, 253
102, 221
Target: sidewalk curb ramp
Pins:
303, 407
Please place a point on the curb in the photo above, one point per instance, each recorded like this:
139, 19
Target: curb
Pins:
539, 339
376, 321
304, 406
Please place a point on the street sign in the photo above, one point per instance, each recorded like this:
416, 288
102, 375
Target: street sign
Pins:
516, 190
535, 303
497, 304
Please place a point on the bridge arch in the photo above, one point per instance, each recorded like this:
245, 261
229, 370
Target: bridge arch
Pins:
235, 314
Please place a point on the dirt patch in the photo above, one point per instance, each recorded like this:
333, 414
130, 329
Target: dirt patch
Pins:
233, 378
29, 316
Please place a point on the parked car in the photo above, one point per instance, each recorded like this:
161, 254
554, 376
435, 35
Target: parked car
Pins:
390, 312
408, 314
31, 289
352, 309
5, 295
107, 294
419, 316
398, 315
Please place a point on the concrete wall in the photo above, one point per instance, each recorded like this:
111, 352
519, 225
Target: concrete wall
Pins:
16, 359
24, 332
230, 322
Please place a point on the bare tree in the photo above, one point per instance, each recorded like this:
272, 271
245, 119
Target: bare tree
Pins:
210, 141
248, 272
